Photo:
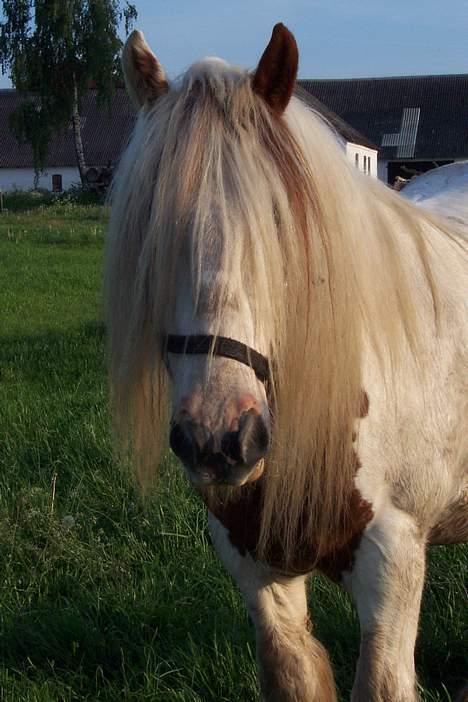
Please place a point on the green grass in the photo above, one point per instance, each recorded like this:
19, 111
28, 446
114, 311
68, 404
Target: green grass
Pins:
100, 598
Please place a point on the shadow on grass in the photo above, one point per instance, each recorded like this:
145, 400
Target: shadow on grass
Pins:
125, 608
131, 601
191, 643
80, 642
53, 355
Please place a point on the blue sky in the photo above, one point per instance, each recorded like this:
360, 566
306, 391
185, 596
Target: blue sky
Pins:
336, 38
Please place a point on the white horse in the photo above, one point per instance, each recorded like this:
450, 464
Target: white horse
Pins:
304, 330
443, 190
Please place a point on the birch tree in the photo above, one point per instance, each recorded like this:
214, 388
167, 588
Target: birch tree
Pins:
53, 50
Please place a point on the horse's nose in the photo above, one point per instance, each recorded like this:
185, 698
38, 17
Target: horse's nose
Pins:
249, 443
188, 440
228, 458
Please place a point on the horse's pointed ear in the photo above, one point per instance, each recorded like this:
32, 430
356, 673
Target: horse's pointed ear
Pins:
276, 74
144, 76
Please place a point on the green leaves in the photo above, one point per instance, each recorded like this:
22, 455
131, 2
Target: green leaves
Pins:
49, 47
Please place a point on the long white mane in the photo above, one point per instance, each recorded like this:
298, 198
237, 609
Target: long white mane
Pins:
327, 256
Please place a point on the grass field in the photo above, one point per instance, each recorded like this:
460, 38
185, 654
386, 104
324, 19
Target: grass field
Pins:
100, 598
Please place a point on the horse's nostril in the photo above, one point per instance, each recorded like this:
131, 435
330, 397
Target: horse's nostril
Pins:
182, 442
254, 437
190, 442
231, 448
250, 443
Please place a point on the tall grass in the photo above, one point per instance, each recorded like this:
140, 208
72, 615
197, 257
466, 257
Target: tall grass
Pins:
102, 597
30, 200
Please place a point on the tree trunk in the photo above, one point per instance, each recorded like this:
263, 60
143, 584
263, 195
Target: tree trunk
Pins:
76, 121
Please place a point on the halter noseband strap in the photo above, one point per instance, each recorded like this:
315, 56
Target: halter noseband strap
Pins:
221, 346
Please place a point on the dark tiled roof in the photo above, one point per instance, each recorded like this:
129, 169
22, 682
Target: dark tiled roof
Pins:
344, 129
104, 131
431, 110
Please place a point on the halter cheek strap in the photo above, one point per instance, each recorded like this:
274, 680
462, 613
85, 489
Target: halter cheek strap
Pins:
220, 346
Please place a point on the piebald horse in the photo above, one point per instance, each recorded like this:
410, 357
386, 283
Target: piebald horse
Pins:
298, 331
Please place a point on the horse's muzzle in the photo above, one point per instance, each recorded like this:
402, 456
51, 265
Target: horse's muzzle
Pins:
226, 459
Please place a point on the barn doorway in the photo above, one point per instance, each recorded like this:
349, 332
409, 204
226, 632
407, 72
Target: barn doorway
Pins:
410, 169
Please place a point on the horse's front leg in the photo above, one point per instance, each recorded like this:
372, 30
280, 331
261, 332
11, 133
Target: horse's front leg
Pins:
293, 666
386, 583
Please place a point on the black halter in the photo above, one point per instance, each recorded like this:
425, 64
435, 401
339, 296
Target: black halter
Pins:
221, 346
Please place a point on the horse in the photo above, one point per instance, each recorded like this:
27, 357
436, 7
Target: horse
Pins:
298, 332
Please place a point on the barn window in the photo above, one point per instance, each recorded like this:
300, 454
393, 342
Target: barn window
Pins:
57, 183
356, 160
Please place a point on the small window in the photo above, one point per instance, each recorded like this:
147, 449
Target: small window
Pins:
368, 165
57, 183
356, 160
365, 164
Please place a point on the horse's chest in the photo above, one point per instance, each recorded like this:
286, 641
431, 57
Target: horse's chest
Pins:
242, 518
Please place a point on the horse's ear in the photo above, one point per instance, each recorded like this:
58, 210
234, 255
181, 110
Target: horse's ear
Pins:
144, 76
275, 76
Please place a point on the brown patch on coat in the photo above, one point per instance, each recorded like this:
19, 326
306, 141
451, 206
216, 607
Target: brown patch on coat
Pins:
276, 73
364, 406
453, 527
462, 695
341, 558
241, 516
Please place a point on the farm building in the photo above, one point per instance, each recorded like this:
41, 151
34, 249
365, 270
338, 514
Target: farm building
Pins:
105, 132
361, 151
416, 122
413, 124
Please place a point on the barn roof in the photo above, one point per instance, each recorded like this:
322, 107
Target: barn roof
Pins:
104, 132
345, 130
408, 117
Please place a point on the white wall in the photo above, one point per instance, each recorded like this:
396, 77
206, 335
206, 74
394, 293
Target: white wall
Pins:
23, 178
356, 154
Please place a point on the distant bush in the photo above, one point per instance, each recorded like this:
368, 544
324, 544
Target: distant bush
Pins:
81, 195
25, 200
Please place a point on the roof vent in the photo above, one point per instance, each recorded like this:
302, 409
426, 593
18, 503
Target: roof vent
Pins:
405, 139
